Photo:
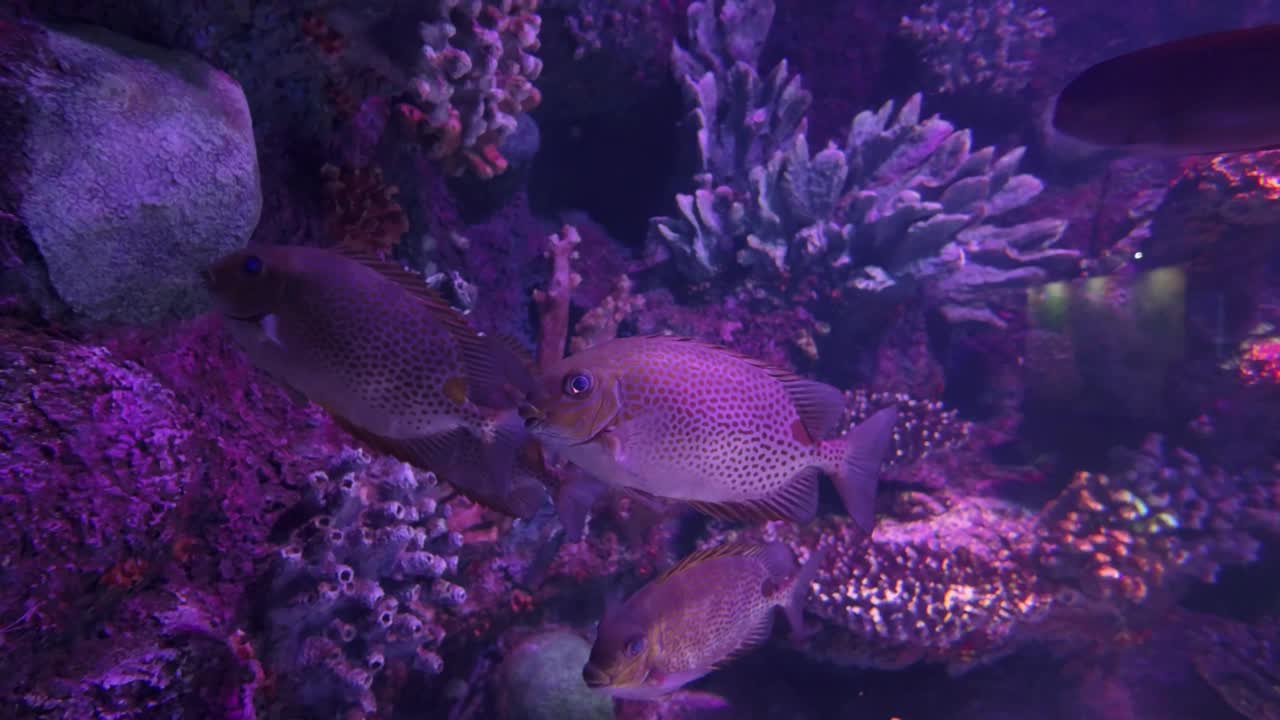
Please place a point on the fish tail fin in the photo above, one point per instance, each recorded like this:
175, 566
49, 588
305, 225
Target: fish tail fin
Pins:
794, 608
865, 447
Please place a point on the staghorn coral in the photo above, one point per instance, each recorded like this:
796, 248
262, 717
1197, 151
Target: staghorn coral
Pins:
475, 76
357, 590
979, 45
361, 209
901, 203
1154, 524
951, 584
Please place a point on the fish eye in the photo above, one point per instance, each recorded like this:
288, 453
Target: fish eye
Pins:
577, 384
252, 265
634, 646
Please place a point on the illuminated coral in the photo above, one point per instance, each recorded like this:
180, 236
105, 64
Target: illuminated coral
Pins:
923, 426
951, 584
1260, 361
361, 209
1154, 524
357, 590
983, 45
475, 76
903, 204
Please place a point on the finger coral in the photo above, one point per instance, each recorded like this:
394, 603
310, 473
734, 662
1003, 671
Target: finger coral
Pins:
903, 203
358, 588
474, 77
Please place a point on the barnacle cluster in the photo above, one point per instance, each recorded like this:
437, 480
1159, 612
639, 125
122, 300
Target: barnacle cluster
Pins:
361, 208
980, 45
924, 426
952, 587
475, 76
1154, 523
359, 585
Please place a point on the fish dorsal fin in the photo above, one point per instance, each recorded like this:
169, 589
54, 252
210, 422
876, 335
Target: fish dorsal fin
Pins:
820, 406
796, 501
499, 371
733, 548
410, 281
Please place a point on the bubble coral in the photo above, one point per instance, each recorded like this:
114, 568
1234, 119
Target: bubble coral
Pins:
360, 584
1155, 524
950, 584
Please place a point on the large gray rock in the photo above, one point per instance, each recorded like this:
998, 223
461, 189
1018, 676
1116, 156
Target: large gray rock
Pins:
134, 167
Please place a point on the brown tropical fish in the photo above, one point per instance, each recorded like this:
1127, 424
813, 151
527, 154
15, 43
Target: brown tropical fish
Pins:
731, 436
372, 345
1199, 94
712, 607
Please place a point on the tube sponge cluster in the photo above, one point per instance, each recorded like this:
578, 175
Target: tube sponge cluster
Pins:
1154, 524
474, 78
359, 586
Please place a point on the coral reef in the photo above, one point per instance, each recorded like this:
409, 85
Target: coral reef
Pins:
1239, 661
982, 46
902, 202
541, 679
475, 76
361, 209
1154, 526
358, 589
171, 185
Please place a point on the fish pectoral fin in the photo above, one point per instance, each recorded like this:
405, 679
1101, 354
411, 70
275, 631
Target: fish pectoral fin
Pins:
796, 501
577, 494
498, 376
820, 406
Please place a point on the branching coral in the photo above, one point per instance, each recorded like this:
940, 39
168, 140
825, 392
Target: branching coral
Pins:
981, 45
902, 202
361, 209
1154, 525
475, 76
357, 589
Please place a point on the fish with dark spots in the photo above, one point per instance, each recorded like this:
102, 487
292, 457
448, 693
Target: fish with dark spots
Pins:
1200, 94
679, 420
712, 607
397, 366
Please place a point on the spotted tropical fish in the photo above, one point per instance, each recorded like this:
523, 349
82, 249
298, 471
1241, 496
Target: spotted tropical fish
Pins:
712, 607
372, 345
731, 436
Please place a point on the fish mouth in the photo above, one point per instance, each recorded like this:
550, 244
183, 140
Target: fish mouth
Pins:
595, 678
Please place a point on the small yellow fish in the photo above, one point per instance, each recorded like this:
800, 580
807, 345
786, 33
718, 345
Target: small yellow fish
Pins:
396, 365
713, 606
733, 437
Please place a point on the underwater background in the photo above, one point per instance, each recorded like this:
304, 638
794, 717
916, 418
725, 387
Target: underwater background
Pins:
1079, 511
